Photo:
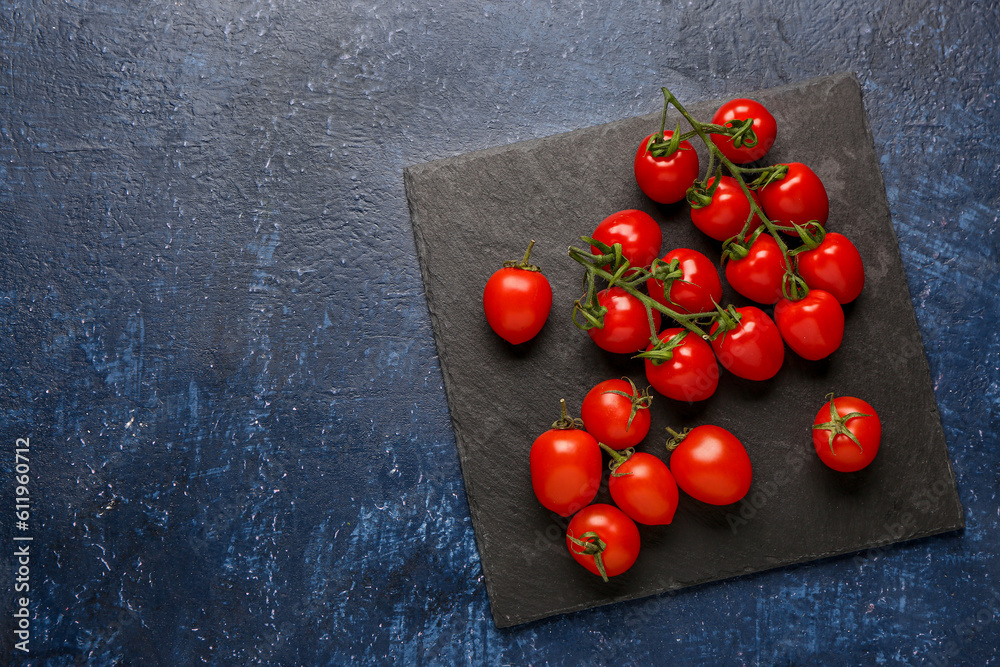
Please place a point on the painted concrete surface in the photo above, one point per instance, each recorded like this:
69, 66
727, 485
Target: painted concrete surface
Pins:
216, 338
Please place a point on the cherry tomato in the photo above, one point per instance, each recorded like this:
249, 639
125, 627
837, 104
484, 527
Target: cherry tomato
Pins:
626, 324
642, 486
753, 350
616, 413
638, 233
797, 198
695, 290
813, 326
517, 300
603, 524
725, 216
834, 266
847, 436
566, 467
691, 374
764, 126
666, 179
711, 465
759, 275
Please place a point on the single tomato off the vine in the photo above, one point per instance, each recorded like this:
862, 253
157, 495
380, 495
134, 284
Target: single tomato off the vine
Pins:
666, 179
797, 198
753, 348
642, 486
834, 266
711, 465
566, 466
696, 290
603, 539
637, 232
616, 413
517, 300
728, 211
764, 127
626, 324
759, 275
691, 374
812, 326
847, 436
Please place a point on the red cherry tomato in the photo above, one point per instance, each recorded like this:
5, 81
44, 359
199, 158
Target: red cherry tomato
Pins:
764, 126
638, 233
517, 300
711, 465
753, 350
834, 266
813, 326
837, 449
605, 524
691, 374
695, 290
626, 324
725, 216
666, 179
797, 198
616, 413
759, 275
644, 489
566, 467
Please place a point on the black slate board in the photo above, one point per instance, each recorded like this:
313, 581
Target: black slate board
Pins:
473, 211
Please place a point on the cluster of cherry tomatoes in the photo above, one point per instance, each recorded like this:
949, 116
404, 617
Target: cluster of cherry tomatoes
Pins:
631, 289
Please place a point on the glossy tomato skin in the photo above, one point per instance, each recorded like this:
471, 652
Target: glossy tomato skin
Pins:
694, 292
645, 490
692, 374
725, 216
606, 415
638, 233
764, 126
834, 266
614, 528
759, 275
517, 303
566, 467
847, 456
711, 465
813, 326
626, 325
799, 197
753, 350
666, 179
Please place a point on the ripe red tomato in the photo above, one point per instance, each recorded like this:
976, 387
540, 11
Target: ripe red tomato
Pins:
695, 290
626, 324
603, 539
759, 275
638, 233
566, 466
847, 436
517, 300
666, 179
812, 326
764, 126
753, 350
616, 413
691, 374
797, 198
725, 216
644, 489
711, 465
835, 266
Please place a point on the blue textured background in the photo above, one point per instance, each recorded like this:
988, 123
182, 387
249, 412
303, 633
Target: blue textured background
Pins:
215, 333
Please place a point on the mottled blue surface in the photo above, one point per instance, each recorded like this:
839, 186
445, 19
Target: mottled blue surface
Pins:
215, 334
